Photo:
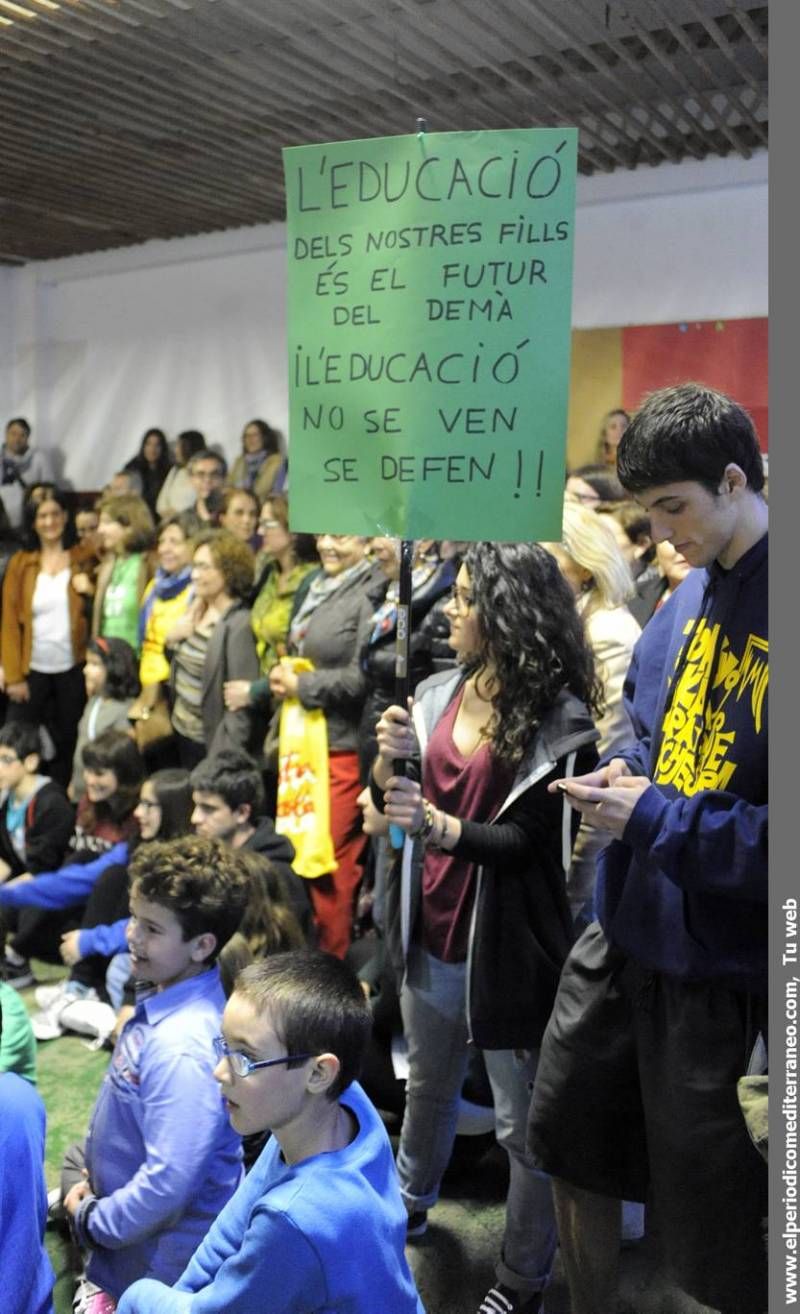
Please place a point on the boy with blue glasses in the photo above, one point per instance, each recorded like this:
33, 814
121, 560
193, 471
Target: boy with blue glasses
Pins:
318, 1224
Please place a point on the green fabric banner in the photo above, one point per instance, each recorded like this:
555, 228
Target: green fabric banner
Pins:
429, 310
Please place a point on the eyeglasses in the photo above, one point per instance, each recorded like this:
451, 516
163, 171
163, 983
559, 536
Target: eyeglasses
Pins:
241, 1066
461, 601
270, 524
8, 759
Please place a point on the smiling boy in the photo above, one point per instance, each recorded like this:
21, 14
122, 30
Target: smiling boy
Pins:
318, 1224
161, 1158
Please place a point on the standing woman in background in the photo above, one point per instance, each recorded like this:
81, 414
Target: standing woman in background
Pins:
126, 532
260, 462
289, 561
211, 643
328, 627
152, 464
45, 629
165, 601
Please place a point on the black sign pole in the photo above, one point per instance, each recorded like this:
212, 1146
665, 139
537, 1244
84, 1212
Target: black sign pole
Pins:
401, 665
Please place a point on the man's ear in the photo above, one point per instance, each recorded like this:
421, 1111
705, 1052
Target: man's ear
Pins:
244, 815
734, 478
204, 946
31, 763
323, 1073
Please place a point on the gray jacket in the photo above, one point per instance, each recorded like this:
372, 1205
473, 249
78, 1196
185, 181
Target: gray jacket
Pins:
231, 655
333, 641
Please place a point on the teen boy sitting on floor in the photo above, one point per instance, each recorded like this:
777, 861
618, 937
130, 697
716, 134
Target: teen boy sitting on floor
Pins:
318, 1224
161, 1159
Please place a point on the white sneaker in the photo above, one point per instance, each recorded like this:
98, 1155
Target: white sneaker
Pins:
47, 1024
89, 1017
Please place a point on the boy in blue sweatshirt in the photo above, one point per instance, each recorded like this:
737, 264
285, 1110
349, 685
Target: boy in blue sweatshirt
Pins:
26, 1274
318, 1224
663, 997
161, 1158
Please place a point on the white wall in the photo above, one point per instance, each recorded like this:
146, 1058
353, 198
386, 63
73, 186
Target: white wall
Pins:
190, 333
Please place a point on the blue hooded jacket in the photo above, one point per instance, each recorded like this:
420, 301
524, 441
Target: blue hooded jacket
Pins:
685, 892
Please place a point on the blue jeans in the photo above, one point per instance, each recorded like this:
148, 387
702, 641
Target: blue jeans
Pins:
433, 1004
117, 974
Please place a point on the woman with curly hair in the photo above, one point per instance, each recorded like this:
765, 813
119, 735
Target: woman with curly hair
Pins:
211, 643
481, 902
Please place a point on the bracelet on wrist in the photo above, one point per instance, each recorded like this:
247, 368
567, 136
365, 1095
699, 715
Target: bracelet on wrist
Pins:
437, 841
425, 827
443, 835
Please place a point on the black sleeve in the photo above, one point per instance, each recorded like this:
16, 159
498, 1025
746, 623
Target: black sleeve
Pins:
526, 826
48, 834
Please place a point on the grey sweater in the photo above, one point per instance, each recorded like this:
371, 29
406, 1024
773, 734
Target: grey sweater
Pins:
333, 640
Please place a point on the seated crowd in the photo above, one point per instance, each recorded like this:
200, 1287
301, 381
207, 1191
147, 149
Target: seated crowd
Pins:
203, 819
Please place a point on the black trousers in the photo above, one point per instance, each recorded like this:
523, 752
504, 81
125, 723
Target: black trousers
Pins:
107, 903
57, 703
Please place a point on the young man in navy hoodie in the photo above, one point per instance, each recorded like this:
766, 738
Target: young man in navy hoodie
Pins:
663, 997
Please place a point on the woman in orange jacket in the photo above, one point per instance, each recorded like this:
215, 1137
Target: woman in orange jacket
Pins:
45, 627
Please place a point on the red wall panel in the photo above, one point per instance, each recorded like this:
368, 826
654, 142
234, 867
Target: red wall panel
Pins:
730, 355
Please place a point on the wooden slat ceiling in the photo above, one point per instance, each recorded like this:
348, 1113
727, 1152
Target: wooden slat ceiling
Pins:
125, 120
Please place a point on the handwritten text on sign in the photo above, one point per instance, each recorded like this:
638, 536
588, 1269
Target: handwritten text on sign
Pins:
430, 286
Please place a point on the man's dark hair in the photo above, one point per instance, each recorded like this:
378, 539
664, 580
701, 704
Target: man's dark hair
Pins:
21, 421
201, 881
234, 776
22, 738
316, 1006
688, 433
206, 454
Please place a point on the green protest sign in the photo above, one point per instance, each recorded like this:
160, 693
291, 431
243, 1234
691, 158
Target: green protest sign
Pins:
429, 306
